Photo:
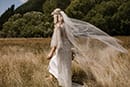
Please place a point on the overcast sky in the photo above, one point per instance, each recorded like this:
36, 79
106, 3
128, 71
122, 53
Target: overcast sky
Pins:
5, 4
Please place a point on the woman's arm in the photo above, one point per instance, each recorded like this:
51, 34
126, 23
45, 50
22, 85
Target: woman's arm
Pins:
51, 53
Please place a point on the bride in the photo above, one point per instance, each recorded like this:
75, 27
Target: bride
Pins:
72, 35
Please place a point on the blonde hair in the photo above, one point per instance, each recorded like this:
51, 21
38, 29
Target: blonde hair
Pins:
57, 15
56, 11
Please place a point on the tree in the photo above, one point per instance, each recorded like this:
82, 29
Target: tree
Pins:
30, 5
121, 19
5, 16
79, 8
35, 20
31, 24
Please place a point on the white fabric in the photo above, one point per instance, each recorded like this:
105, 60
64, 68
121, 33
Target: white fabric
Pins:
63, 55
80, 29
84, 38
53, 69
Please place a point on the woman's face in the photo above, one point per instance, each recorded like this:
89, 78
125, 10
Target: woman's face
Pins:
57, 18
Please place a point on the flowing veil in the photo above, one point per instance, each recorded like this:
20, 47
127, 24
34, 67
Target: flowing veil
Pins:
93, 48
76, 28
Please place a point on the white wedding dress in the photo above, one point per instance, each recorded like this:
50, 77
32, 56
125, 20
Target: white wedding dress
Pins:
60, 64
89, 53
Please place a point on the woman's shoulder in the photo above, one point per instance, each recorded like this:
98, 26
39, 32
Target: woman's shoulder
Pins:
59, 26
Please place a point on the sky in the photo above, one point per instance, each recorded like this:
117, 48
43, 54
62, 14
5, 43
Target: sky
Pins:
5, 4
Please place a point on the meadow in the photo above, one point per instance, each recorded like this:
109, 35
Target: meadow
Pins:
23, 63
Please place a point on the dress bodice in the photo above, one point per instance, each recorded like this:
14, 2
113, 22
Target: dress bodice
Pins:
60, 39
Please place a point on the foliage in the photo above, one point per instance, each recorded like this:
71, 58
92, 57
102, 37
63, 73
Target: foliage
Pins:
112, 16
4, 17
79, 8
31, 24
50, 5
63, 4
30, 5
121, 19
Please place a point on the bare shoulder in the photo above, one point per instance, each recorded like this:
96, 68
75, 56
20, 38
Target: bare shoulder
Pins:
59, 26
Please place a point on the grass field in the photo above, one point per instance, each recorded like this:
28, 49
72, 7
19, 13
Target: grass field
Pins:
23, 63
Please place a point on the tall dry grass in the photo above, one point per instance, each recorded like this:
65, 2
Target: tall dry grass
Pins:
23, 64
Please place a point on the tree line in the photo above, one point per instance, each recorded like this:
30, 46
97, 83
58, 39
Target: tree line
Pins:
33, 19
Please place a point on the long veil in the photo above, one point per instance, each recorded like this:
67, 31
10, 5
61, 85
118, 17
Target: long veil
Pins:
76, 28
93, 48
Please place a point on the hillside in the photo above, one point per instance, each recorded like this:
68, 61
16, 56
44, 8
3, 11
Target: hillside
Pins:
112, 16
30, 5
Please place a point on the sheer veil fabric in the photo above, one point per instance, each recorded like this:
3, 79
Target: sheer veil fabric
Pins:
76, 28
88, 43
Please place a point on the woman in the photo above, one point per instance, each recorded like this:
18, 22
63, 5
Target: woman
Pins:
62, 59
71, 33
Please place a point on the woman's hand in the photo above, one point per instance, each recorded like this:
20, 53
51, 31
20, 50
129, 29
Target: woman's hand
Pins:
51, 53
49, 56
